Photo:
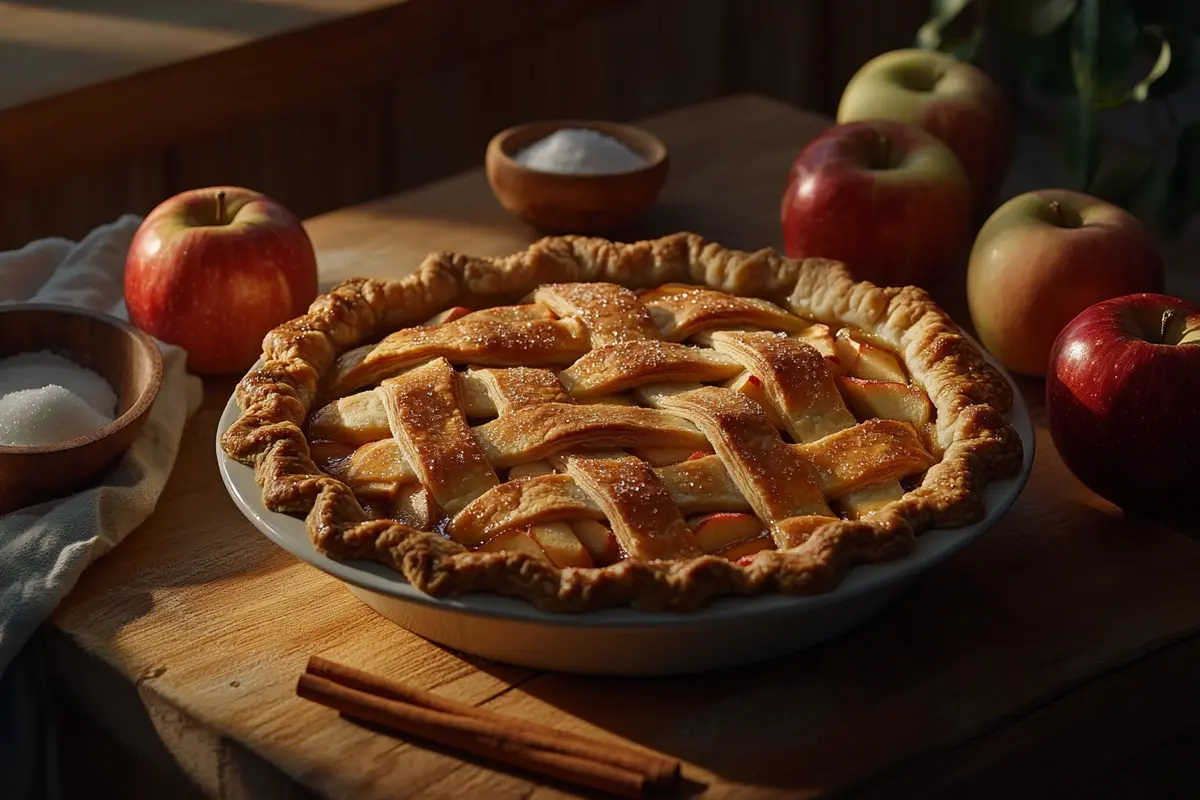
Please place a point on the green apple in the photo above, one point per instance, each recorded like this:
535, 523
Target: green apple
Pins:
955, 101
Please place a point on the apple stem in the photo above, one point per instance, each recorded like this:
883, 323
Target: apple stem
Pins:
221, 208
1167, 316
885, 148
1178, 334
1057, 211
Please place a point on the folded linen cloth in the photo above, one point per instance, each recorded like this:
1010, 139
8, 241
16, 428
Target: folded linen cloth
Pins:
44, 548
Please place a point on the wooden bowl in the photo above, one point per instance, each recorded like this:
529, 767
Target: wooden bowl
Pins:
572, 203
121, 354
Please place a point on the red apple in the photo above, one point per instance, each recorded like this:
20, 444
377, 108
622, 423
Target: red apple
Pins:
213, 270
886, 198
1042, 258
955, 101
1121, 397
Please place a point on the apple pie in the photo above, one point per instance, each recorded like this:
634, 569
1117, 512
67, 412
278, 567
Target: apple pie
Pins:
589, 424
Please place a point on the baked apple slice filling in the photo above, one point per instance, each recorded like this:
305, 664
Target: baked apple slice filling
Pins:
666, 425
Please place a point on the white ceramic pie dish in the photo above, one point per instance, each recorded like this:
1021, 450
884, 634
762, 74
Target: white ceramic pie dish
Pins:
730, 632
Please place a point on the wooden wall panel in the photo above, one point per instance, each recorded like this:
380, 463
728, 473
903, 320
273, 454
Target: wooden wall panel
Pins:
311, 160
670, 56
861, 29
779, 48
430, 126
424, 118
73, 207
629, 62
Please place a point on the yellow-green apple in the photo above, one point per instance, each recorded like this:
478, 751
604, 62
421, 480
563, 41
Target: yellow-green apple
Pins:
886, 198
1121, 397
214, 270
955, 101
1043, 257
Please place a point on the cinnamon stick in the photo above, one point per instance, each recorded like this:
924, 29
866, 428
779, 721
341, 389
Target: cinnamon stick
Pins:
480, 737
660, 769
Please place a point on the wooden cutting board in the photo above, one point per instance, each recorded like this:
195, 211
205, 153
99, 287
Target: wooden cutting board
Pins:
1062, 642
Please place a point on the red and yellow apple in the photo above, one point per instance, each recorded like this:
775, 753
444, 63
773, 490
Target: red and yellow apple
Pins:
214, 270
953, 100
1042, 258
1121, 398
886, 198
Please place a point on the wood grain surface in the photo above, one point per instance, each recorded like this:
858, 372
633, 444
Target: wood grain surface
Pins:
1064, 640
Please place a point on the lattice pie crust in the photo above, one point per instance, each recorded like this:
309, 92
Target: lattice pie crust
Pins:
589, 424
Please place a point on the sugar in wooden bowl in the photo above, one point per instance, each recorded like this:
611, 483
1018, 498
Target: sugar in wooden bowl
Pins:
75, 388
577, 176
580, 151
46, 399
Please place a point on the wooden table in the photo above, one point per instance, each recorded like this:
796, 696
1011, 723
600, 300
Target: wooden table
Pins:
1060, 646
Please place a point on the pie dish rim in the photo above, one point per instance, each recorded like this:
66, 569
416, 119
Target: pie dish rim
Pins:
289, 533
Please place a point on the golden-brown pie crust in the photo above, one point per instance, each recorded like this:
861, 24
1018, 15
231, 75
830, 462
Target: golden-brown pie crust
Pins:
304, 356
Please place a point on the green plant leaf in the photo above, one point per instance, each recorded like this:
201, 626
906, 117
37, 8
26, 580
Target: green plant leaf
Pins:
1105, 46
1178, 34
1141, 89
948, 9
955, 27
1104, 40
1032, 17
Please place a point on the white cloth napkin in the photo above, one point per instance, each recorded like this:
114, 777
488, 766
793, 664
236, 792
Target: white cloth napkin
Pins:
45, 548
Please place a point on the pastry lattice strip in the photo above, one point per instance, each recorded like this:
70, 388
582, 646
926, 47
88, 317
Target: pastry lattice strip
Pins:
413, 429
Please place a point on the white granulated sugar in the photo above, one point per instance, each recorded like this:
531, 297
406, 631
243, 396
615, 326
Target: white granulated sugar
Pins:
47, 399
35, 370
581, 152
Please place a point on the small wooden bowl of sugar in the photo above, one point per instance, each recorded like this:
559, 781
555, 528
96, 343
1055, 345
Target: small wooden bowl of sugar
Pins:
576, 176
75, 388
